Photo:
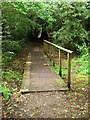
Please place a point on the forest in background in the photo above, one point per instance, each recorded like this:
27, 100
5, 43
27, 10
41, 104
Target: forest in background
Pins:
66, 24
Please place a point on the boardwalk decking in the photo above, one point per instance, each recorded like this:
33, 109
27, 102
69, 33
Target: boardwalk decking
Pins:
40, 74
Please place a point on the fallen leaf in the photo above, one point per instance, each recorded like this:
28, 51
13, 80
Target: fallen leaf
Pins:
72, 111
9, 108
32, 114
15, 105
81, 108
78, 107
46, 64
65, 111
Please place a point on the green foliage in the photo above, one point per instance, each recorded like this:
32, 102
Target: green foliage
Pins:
64, 71
57, 68
81, 61
9, 75
9, 45
6, 91
82, 49
82, 64
79, 66
71, 18
21, 19
7, 57
89, 65
14, 23
65, 21
10, 50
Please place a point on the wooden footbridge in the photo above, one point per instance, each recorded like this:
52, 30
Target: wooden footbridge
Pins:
40, 75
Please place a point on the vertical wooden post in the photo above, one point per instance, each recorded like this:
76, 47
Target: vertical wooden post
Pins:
60, 63
50, 52
44, 47
47, 49
69, 69
53, 56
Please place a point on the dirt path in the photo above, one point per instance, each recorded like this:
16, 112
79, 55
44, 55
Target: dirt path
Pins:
48, 105
43, 105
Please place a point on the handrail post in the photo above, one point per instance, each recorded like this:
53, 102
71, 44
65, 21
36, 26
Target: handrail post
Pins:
50, 52
60, 63
53, 52
69, 69
44, 47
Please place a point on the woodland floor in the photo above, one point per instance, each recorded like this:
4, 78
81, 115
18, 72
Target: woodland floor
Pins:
62, 104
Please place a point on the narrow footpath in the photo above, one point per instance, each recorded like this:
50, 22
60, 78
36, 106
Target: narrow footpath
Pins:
40, 74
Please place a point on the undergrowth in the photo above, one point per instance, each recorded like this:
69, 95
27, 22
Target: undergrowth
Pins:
79, 70
11, 79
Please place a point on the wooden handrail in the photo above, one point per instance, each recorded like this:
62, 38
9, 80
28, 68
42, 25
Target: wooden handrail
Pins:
61, 48
47, 48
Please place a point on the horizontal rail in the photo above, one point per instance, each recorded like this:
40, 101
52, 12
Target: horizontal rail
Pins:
61, 48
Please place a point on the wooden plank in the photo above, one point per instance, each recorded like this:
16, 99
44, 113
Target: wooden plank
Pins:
60, 63
26, 76
69, 69
33, 91
61, 48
